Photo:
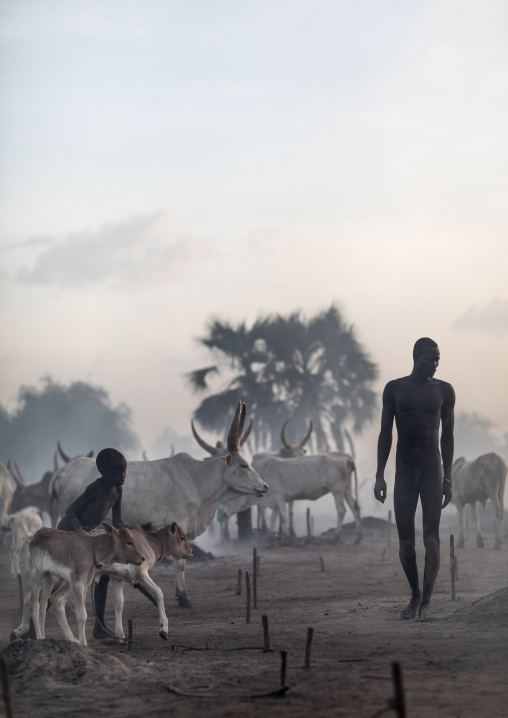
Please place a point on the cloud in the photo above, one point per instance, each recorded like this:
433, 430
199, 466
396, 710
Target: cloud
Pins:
492, 318
127, 255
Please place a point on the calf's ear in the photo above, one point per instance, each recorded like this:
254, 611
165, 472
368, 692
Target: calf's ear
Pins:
174, 527
109, 528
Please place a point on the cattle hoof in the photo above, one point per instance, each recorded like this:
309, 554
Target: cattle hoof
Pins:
479, 543
163, 635
497, 547
357, 541
184, 602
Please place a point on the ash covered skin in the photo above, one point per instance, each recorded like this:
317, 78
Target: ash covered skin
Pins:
419, 404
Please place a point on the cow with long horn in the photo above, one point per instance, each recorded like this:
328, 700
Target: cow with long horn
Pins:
219, 449
66, 457
178, 488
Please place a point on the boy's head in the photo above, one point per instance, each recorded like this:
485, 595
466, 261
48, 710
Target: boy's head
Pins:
112, 466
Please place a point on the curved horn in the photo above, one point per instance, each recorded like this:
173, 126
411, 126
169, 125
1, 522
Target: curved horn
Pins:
145, 457
246, 434
20, 475
16, 478
55, 461
234, 430
283, 436
307, 436
62, 453
201, 441
90, 454
241, 423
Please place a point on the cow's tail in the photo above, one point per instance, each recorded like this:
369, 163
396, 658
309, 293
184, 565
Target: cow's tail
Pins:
353, 462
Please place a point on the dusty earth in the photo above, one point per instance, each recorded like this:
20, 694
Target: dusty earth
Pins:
455, 666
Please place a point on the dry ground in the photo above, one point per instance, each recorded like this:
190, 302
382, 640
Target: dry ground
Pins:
455, 666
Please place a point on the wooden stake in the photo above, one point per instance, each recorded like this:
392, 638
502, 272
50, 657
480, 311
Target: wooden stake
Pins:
129, 639
239, 584
247, 587
21, 593
383, 556
322, 563
255, 577
389, 528
452, 565
309, 532
6, 688
308, 647
399, 700
257, 565
283, 659
266, 634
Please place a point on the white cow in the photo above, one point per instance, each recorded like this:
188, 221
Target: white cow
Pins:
179, 488
23, 525
305, 478
479, 480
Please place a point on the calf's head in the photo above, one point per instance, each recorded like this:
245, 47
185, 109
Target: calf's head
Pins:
124, 547
176, 542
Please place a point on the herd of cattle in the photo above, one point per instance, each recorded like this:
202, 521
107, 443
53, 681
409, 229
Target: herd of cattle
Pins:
180, 496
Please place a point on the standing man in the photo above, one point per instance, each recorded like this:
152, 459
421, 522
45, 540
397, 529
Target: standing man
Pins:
419, 403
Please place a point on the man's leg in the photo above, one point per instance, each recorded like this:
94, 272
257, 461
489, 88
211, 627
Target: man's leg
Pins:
432, 499
405, 500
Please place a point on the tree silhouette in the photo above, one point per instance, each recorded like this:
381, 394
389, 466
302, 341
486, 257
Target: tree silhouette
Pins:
80, 415
288, 367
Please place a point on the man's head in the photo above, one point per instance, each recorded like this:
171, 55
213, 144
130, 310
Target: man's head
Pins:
426, 357
112, 466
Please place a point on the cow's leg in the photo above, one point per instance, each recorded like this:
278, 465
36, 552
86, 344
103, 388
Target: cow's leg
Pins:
462, 526
36, 589
291, 511
476, 518
280, 506
47, 585
273, 520
25, 617
151, 589
338, 497
498, 508
79, 594
355, 509
118, 602
58, 601
181, 588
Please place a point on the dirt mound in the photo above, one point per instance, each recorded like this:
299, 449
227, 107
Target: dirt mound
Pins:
30, 662
492, 609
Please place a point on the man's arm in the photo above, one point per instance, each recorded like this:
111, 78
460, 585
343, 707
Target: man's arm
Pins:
384, 443
447, 442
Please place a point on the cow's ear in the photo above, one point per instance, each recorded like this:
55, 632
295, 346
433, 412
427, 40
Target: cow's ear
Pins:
228, 459
109, 529
173, 528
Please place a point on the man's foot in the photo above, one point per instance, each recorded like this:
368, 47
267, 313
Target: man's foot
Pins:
412, 607
424, 614
99, 632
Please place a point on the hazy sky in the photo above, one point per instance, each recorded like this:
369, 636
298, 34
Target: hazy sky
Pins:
165, 161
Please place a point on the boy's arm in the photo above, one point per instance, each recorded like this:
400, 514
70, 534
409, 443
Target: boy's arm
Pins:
117, 511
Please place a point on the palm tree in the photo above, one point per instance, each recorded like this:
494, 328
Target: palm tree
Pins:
288, 367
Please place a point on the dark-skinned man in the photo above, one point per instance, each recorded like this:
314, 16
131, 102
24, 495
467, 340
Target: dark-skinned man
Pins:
419, 404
